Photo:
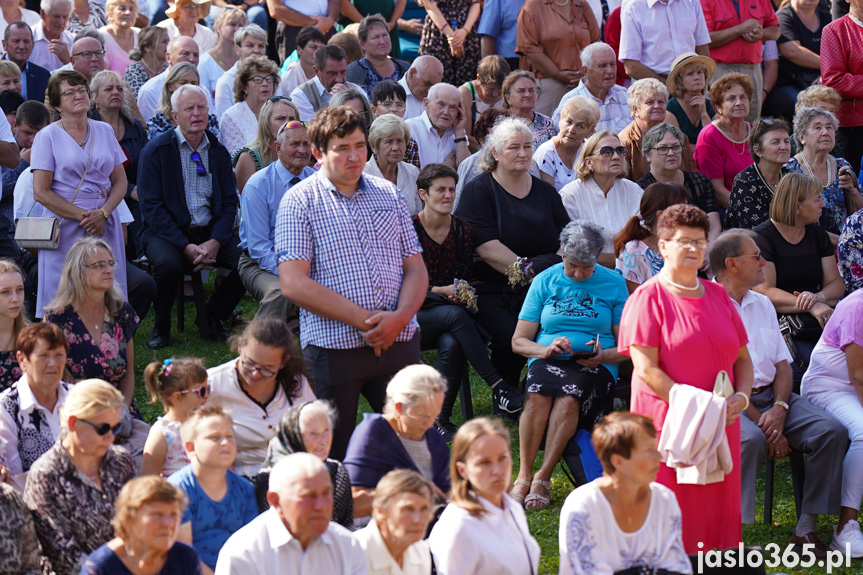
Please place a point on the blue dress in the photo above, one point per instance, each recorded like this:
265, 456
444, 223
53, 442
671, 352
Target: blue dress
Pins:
182, 560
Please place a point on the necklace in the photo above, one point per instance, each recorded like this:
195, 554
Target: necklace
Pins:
680, 286
564, 3
732, 140
763, 179
150, 71
812, 173
87, 137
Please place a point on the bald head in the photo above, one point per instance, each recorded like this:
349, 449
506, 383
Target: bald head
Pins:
442, 105
425, 72
182, 49
88, 57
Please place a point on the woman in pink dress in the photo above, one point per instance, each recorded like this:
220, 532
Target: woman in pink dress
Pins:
680, 329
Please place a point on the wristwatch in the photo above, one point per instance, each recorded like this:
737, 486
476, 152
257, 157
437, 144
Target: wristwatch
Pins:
781, 404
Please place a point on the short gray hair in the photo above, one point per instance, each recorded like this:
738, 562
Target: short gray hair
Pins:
46, 5
656, 133
643, 88
805, 116
504, 129
581, 241
319, 407
729, 244
252, 30
413, 383
289, 470
434, 91
592, 50
385, 126
175, 97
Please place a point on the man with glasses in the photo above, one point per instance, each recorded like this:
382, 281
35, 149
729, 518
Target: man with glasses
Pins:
258, 265
18, 45
52, 44
308, 41
777, 420
331, 68
88, 57
189, 203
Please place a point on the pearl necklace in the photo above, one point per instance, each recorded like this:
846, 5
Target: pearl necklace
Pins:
680, 286
812, 173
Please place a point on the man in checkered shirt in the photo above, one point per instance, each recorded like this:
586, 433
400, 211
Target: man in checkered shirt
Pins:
350, 259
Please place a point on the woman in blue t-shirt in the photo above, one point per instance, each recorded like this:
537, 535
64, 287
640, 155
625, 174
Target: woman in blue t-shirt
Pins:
570, 375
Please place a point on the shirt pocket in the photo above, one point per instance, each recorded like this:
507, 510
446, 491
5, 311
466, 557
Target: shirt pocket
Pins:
386, 227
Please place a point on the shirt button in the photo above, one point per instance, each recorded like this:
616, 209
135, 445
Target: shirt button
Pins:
269, 426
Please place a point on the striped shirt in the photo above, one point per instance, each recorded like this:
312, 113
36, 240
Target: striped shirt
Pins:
355, 246
199, 189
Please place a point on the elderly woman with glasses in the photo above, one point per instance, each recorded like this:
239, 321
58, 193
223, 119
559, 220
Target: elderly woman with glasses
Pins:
387, 138
163, 120
648, 100
257, 80
570, 372
815, 131
261, 152
602, 193
663, 147
258, 388
403, 437
71, 489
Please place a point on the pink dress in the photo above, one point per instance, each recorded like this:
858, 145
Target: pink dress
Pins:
696, 338
720, 158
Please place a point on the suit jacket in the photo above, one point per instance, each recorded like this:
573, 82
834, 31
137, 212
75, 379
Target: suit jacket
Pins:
161, 192
37, 81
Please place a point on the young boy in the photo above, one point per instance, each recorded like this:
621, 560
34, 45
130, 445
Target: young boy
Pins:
220, 501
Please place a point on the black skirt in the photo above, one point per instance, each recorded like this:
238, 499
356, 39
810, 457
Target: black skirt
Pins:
591, 387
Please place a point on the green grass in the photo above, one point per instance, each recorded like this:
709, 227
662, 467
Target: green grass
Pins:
543, 524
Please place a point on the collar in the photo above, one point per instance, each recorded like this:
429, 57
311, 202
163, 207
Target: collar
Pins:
27, 401
747, 299
320, 86
331, 187
284, 176
279, 535
379, 556
39, 32
181, 139
652, 3
855, 19
429, 127
404, 82
492, 509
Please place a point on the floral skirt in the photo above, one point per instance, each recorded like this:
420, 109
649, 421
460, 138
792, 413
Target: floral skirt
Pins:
592, 388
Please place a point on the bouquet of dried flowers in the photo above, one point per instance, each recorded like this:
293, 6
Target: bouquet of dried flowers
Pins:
466, 293
520, 273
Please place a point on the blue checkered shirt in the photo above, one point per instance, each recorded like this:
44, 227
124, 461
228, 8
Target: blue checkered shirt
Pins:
199, 189
355, 247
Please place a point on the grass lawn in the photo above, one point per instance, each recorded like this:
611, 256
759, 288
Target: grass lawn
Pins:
543, 524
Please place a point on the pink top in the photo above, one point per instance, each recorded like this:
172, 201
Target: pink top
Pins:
720, 158
842, 67
118, 59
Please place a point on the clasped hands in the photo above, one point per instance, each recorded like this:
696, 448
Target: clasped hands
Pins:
202, 256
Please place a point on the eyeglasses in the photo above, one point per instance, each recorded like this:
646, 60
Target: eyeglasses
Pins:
90, 53
252, 368
202, 390
756, 255
190, 8
261, 79
608, 151
279, 99
663, 150
392, 105
100, 266
689, 244
290, 125
75, 92
196, 157
104, 428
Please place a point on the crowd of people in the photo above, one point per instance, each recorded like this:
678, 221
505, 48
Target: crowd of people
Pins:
571, 198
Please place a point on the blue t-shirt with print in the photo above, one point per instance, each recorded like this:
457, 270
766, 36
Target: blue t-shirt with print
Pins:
214, 521
577, 310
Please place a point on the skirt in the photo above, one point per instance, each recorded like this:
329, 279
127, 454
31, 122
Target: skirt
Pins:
592, 388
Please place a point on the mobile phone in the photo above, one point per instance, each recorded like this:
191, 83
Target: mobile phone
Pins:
587, 354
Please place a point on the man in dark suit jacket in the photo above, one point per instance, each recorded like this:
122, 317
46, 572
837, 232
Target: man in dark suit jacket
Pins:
188, 204
18, 45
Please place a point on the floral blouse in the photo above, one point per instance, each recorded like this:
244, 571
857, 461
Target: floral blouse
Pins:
750, 199
159, 124
175, 456
86, 360
10, 371
97, 19
850, 252
453, 258
637, 262
834, 213
543, 129
19, 546
72, 515
136, 75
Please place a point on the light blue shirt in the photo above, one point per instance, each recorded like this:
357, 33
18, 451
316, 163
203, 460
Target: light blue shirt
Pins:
500, 21
259, 205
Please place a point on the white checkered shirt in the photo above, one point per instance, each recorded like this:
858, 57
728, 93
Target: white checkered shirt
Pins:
355, 247
614, 114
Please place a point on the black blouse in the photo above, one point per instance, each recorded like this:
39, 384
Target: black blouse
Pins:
453, 258
701, 190
798, 266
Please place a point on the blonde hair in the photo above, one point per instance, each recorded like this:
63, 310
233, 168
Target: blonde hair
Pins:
812, 95
793, 189
72, 287
263, 142
8, 68
462, 493
588, 149
21, 321
96, 85
229, 14
385, 126
582, 108
109, 4
189, 428
411, 384
174, 74
142, 491
641, 89
87, 399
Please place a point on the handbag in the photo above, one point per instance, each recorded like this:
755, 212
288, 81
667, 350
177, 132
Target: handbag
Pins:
801, 326
43, 233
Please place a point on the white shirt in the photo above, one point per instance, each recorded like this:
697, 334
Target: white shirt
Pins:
254, 425
414, 106
150, 95
238, 127
265, 546
225, 90
590, 541
6, 131
24, 204
308, 7
766, 344
433, 148
41, 56
406, 178
498, 543
614, 113
549, 162
210, 71
596, 6
29, 17
416, 559
301, 101
291, 79
204, 37
584, 200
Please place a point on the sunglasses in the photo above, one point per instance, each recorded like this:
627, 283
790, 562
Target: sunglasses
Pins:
202, 390
103, 428
279, 99
290, 125
196, 157
608, 151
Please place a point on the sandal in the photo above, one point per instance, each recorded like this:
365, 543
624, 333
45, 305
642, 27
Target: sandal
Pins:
542, 500
518, 497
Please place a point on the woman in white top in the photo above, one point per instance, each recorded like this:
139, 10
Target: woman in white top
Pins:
223, 55
183, 19
624, 520
121, 37
556, 157
388, 139
483, 531
602, 194
393, 540
258, 387
257, 80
